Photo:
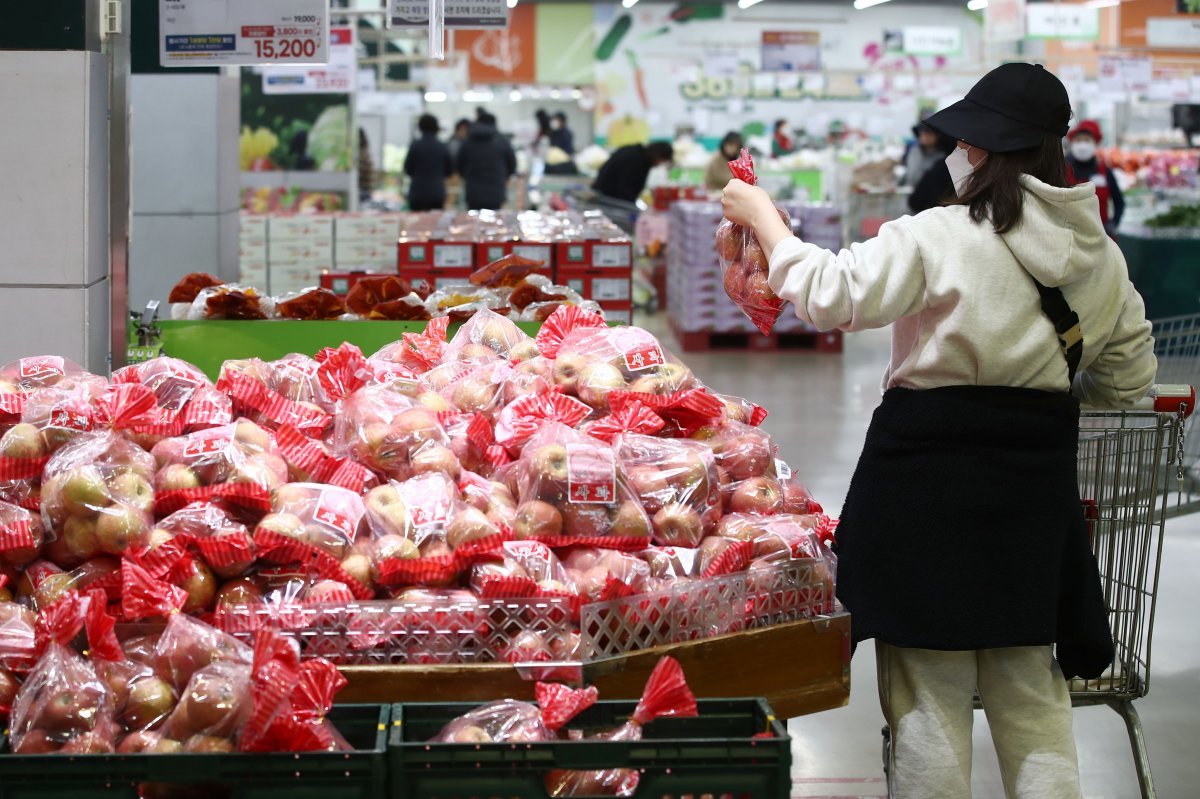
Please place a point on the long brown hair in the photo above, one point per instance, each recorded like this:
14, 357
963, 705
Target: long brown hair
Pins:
993, 192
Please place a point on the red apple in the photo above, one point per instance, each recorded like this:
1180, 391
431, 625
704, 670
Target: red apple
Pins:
436, 458
80, 538
88, 743
121, 528
150, 701
36, 742
213, 704
729, 241
760, 495
795, 498
566, 371
201, 587
8, 688
208, 744
138, 742
473, 395
585, 521
468, 525
238, 592
596, 381
537, 519
679, 525
630, 520
84, 491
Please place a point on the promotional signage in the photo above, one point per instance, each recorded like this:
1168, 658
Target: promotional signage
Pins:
221, 33
339, 76
926, 40
791, 51
1062, 21
470, 14
1117, 76
1173, 32
1004, 21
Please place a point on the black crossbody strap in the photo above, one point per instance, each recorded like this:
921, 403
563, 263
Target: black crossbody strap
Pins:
1066, 325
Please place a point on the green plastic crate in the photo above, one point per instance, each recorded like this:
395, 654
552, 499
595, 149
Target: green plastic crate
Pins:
715, 754
360, 774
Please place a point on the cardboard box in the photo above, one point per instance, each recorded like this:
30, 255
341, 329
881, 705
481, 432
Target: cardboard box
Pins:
249, 250
348, 255
301, 250
253, 272
288, 276
252, 227
375, 228
601, 285
304, 227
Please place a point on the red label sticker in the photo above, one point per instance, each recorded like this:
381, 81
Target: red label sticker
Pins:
591, 474
43, 367
258, 32
640, 349
67, 419
196, 448
334, 520
427, 501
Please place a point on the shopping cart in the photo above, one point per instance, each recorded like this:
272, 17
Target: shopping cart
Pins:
1126, 461
1177, 345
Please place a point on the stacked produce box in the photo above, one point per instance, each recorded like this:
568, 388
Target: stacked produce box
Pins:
365, 242
299, 248
595, 258
696, 298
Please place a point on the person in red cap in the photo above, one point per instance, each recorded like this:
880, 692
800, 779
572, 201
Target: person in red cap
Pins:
962, 548
1084, 165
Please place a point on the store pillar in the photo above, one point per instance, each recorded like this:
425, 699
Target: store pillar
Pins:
54, 209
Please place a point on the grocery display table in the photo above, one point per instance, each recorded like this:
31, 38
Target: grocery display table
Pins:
1163, 268
800, 667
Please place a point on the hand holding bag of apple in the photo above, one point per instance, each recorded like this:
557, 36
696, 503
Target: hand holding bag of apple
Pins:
744, 265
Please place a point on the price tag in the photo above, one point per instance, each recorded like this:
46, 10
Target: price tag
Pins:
782, 470
610, 289
200, 33
450, 256
534, 252
339, 76
611, 255
591, 475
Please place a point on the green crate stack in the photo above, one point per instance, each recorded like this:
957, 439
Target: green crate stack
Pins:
359, 774
715, 754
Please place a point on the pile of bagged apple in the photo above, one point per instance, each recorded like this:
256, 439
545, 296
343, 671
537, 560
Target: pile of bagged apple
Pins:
584, 465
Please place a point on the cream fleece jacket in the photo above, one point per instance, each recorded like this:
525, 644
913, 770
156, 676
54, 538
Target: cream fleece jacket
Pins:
963, 308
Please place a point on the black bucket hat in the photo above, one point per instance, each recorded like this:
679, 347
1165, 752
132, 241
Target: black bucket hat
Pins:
1012, 107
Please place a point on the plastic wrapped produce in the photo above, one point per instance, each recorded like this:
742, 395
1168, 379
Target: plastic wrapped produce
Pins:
239, 463
603, 574
486, 336
21, 535
276, 393
522, 569
316, 527
63, 704
676, 482
223, 542
413, 354
18, 647
310, 304
186, 400
184, 293
574, 491
746, 466
510, 721
744, 264
188, 645
475, 388
373, 297
231, 301
98, 490
666, 694
386, 431
300, 723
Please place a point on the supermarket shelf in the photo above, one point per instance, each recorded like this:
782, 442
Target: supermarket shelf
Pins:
308, 181
800, 667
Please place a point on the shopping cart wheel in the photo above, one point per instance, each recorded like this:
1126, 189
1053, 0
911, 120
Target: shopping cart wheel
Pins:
1137, 740
886, 732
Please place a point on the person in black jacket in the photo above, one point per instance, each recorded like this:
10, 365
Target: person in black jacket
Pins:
427, 164
560, 135
486, 161
935, 188
623, 176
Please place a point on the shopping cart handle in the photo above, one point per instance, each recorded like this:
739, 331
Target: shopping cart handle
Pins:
1171, 399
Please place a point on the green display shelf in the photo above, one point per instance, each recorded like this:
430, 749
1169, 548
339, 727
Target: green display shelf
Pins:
1166, 272
209, 343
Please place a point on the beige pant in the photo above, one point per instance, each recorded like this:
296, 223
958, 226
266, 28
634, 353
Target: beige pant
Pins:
927, 700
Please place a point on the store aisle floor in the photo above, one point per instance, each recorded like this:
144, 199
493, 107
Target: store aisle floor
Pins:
820, 407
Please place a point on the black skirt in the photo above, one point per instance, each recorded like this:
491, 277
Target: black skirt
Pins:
963, 527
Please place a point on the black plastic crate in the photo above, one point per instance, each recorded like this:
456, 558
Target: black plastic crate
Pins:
360, 774
714, 755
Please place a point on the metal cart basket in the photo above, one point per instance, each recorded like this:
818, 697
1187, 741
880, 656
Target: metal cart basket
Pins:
1177, 345
1127, 462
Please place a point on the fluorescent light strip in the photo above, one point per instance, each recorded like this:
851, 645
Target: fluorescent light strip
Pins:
435, 97
977, 5
1102, 3
748, 3
472, 96
512, 3
861, 4
629, 3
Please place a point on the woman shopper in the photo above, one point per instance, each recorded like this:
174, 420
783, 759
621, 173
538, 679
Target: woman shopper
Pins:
1084, 165
716, 175
962, 547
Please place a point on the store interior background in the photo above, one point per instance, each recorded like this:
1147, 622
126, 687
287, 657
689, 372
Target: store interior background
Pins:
195, 171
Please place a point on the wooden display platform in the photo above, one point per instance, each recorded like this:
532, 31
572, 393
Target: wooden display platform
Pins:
800, 667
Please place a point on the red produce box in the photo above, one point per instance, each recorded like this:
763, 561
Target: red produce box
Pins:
436, 254
600, 254
604, 285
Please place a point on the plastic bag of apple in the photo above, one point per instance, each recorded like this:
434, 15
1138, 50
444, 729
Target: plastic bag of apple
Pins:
185, 688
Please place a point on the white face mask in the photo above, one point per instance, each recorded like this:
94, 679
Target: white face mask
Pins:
960, 168
1083, 150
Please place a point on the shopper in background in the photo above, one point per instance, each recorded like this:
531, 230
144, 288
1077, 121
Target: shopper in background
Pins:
486, 161
427, 165
935, 187
561, 135
717, 173
1084, 165
782, 142
366, 168
962, 548
927, 151
462, 128
624, 174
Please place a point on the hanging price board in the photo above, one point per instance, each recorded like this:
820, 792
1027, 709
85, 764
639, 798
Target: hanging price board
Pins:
217, 33
466, 14
339, 76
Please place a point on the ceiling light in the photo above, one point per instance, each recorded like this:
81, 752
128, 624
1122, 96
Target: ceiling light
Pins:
1102, 3
555, 94
435, 97
977, 5
515, 95
512, 3
748, 3
628, 3
576, 94
861, 4
476, 96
